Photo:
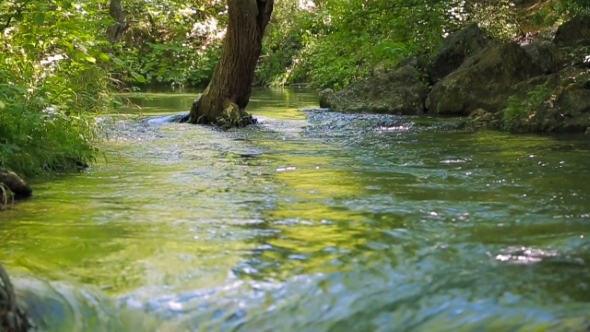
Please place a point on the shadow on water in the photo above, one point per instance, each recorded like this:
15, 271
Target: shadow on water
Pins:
309, 221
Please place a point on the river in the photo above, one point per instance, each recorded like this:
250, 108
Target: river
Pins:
309, 221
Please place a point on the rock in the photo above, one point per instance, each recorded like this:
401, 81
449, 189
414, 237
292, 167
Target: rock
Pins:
573, 32
477, 113
546, 55
17, 186
167, 119
327, 98
381, 68
456, 49
564, 108
13, 317
417, 62
397, 92
483, 81
480, 119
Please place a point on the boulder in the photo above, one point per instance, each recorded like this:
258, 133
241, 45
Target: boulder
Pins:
455, 49
565, 110
328, 98
401, 91
546, 55
15, 186
480, 119
564, 106
573, 32
13, 317
483, 81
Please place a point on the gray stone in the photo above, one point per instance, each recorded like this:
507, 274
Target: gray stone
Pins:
456, 48
573, 32
401, 91
483, 81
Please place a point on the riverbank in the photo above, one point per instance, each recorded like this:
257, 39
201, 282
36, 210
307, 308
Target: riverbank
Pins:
539, 84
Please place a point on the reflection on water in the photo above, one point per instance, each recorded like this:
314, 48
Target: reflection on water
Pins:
309, 221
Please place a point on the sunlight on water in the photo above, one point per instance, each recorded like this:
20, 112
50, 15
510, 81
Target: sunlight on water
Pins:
309, 221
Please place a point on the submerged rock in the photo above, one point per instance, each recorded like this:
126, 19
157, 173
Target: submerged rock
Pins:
14, 186
397, 92
483, 81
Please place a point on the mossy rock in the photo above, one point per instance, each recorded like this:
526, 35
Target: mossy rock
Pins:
13, 186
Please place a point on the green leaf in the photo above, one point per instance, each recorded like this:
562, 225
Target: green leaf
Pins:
118, 61
69, 45
90, 59
104, 57
39, 18
139, 78
10, 147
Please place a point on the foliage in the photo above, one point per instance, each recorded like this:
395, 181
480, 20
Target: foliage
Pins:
518, 108
50, 84
332, 43
336, 42
171, 41
556, 12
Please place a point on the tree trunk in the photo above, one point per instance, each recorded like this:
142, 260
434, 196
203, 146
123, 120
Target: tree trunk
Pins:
225, 99
116, 11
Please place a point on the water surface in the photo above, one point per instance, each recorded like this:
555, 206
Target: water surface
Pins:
309, 221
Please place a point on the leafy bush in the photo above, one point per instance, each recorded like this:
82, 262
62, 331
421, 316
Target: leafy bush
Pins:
337, 42
171, 42
50, 86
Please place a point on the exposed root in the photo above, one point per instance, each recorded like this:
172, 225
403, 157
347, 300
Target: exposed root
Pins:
232, 116
6, 196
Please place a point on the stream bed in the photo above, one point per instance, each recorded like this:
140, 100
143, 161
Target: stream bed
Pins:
309, 221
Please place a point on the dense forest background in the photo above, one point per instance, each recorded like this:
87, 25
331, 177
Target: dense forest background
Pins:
60, 60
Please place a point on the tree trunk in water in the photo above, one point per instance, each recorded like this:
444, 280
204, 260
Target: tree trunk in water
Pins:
116, 11
225, 99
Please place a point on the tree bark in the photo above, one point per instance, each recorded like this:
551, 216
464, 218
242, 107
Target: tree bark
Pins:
116, 11
225, 99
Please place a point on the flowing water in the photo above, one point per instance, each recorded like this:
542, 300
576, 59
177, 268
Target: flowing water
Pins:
309, 221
